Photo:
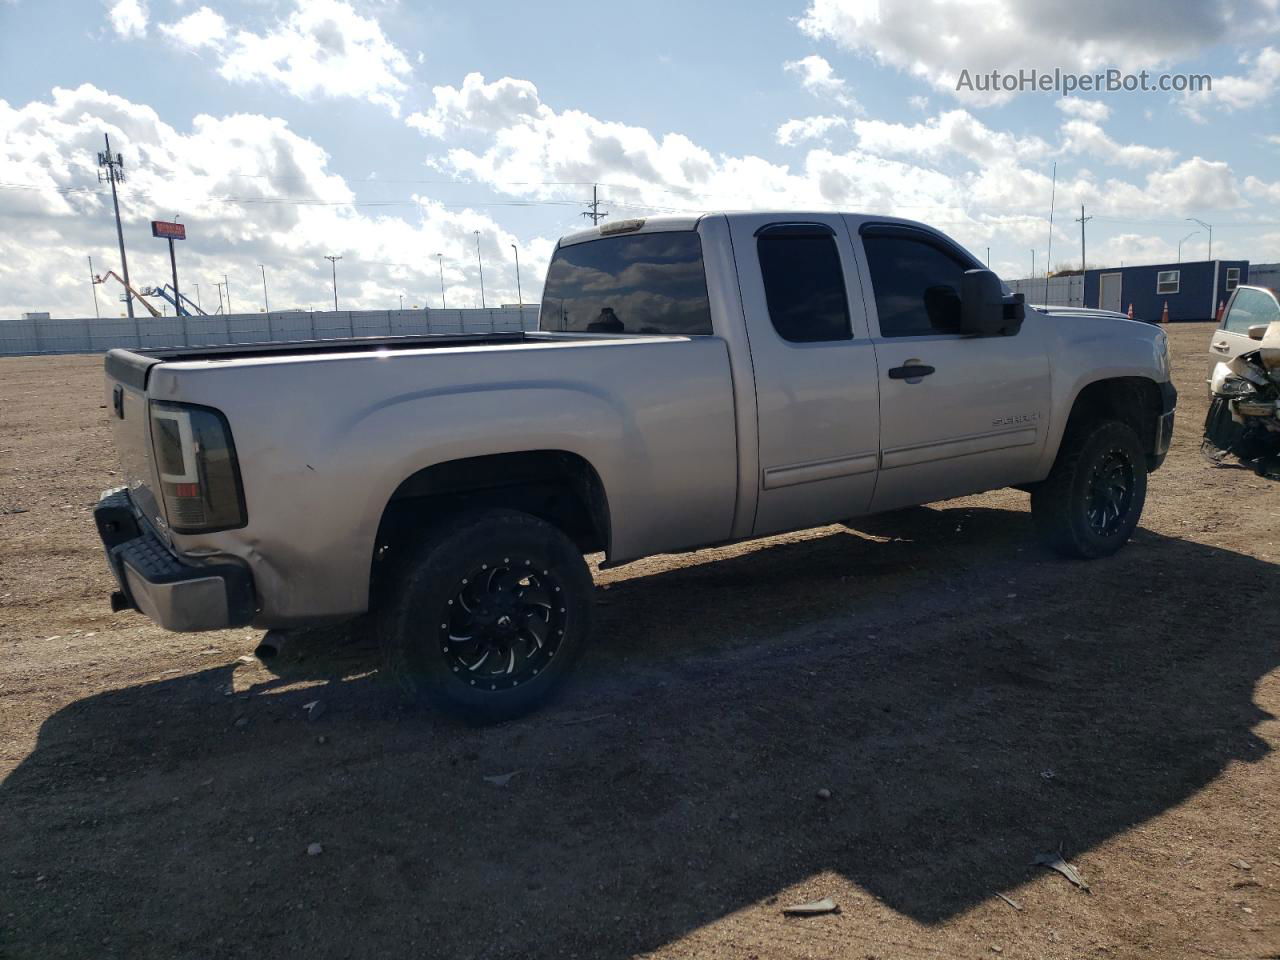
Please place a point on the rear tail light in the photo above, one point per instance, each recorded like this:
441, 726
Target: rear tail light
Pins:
196, 461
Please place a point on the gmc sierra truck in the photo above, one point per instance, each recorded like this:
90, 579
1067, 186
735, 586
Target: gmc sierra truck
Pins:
693, 381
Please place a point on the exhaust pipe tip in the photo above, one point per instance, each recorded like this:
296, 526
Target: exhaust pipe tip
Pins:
270, 646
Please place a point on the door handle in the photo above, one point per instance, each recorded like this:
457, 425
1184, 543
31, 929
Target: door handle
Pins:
1221, 345
911, 372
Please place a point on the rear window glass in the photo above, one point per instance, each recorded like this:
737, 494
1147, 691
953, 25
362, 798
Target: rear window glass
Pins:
650, 283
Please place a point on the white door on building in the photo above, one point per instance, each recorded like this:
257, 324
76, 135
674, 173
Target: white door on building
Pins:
1109, 291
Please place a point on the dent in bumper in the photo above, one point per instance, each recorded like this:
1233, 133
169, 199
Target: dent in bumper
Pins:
177, 595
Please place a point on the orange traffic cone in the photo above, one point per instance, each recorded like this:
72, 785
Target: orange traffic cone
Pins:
1164, 314
1131, 311
1218, 316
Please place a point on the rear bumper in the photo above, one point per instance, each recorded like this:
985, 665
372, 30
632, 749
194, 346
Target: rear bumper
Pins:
175, 594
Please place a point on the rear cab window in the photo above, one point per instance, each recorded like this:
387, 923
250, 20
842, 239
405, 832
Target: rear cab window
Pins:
647, 283
804, 283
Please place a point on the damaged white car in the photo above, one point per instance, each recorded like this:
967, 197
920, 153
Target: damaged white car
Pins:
1244, 413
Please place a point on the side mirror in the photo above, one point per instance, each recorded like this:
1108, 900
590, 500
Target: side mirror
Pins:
984, 309
1258, 331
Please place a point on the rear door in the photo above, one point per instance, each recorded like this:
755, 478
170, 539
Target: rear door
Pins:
958, 414
815, 369
1247, 307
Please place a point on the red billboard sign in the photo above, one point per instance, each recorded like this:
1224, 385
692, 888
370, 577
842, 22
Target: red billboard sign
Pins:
168, 231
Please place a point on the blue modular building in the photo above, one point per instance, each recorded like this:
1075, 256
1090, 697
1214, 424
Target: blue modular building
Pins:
1192, 290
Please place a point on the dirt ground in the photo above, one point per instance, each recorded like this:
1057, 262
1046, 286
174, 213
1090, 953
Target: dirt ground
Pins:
969, 701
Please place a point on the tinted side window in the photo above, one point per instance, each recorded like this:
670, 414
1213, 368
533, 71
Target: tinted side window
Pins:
916, 285
1250, 307
650, 283
804, 286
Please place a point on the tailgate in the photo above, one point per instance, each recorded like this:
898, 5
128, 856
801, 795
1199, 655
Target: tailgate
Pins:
126, 376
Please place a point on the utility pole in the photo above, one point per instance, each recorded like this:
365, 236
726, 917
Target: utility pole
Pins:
1189, 219
227, 286
519, 295
94, 287
1048, 257
333, 262
440, 263
266, 304
198, 303
1033, 263
594, 214
1082, 220
402, 303
988, 258
219, 286
114, 167
481, 262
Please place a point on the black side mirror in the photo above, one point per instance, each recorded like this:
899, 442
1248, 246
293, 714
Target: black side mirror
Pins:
984, 309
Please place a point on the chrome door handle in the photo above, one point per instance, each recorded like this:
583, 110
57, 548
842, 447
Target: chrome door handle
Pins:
1221, 345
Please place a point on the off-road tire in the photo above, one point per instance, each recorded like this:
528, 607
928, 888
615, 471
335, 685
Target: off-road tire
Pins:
1065, 507
476, 557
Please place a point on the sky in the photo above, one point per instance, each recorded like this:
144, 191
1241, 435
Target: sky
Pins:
399, 135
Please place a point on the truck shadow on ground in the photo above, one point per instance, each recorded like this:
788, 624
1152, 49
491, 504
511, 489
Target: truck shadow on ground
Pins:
968, 700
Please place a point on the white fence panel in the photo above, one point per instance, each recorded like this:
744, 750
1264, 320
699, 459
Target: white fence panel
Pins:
94, 335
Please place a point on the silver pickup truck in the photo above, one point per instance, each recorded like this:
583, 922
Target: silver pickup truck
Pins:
693, 381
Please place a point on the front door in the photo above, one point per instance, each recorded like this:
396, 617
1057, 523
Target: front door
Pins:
815, 369
958, 414
1110, 291
1248, 307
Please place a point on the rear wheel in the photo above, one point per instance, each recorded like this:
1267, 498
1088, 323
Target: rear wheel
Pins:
490, 615
1091, 502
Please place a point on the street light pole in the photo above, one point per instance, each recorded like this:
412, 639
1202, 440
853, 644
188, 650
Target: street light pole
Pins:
227, 286
333, 262
440, 261
519, 295
1184, 240
266, 304
481, 263
1207, 227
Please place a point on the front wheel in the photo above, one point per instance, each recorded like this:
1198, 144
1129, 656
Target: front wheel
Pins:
1089, 505
490, 615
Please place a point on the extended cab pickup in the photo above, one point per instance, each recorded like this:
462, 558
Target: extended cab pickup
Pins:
693, 381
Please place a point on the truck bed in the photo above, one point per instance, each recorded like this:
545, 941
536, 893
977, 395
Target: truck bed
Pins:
130, 365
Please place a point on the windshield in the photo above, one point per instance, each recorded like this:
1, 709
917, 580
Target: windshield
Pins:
650, 283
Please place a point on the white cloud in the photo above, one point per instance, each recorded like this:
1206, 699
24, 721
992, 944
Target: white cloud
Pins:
807, 128
128, 18
919, 102
1260, 188
1083, 136
203, 28
1238, 92
954, 131
1094, 110
324, 48
250, 191
817, 76
936, 39
985, 186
